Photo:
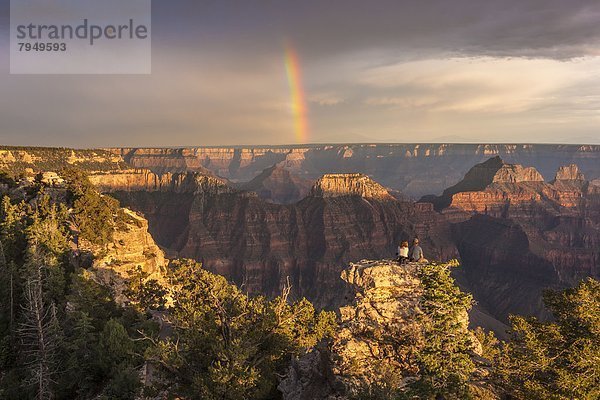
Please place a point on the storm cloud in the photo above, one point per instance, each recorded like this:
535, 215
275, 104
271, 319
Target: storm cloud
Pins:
405, 71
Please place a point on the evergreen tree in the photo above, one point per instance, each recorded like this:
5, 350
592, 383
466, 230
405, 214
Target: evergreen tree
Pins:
62, 336
444, 361
146, 293
227, 345
559, 359
37, 331
93, 214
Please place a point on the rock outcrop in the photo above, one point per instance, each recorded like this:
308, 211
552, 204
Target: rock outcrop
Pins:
569, 173
136, 180
338, 185
381, 331
110, 265
132, 247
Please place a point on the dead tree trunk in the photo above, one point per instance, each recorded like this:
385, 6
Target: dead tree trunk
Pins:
36, 335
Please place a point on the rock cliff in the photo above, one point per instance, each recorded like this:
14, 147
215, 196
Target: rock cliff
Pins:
518, 235
339, 185
569, 173
137, 180
414, 169
278, 185
258, 245
132, 247
381, 330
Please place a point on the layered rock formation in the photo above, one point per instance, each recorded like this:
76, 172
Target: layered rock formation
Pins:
518, 235
32, 160
132, 247
340, 185
569, 173
145, 180
414, 169
514, 230
258, 245
278, 185
381, 330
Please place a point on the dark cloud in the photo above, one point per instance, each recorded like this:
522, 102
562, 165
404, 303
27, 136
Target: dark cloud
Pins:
533, 28
218, 75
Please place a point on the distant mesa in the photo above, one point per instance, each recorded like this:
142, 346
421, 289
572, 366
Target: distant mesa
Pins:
278, 185
481, 176
337, 185
499, 175
569, 173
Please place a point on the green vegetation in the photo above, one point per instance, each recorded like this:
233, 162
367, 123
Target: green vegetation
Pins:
226, 345
444, 361
560, 359
146, 294
94, 215
61, 334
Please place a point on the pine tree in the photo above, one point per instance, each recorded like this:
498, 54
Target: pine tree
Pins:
229, 346
560, 359
445, 363
147, 294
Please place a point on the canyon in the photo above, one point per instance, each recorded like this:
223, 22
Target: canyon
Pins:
521, 218
260, 245
413, 169
515, 233
518, 235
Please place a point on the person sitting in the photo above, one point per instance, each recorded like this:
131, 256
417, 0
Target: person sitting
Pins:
403, 253
416, 253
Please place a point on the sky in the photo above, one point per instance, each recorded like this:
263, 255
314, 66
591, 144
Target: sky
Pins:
268, 72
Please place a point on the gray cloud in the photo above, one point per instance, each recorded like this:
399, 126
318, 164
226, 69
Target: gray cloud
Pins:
547, 28
218, 75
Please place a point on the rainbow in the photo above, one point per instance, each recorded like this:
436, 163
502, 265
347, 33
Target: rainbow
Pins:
299, 109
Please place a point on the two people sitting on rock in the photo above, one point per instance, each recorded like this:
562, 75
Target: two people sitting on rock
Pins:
403, 253
414, 254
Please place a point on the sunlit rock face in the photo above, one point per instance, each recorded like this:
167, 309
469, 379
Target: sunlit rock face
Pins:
148, 181
259, 245
132, 247
518, 235
414, 169
337, 185
380, 331
569, 173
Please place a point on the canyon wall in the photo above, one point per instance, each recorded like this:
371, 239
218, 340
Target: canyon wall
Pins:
517, 227
414, 169
518, 235
259, 245
515, 233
